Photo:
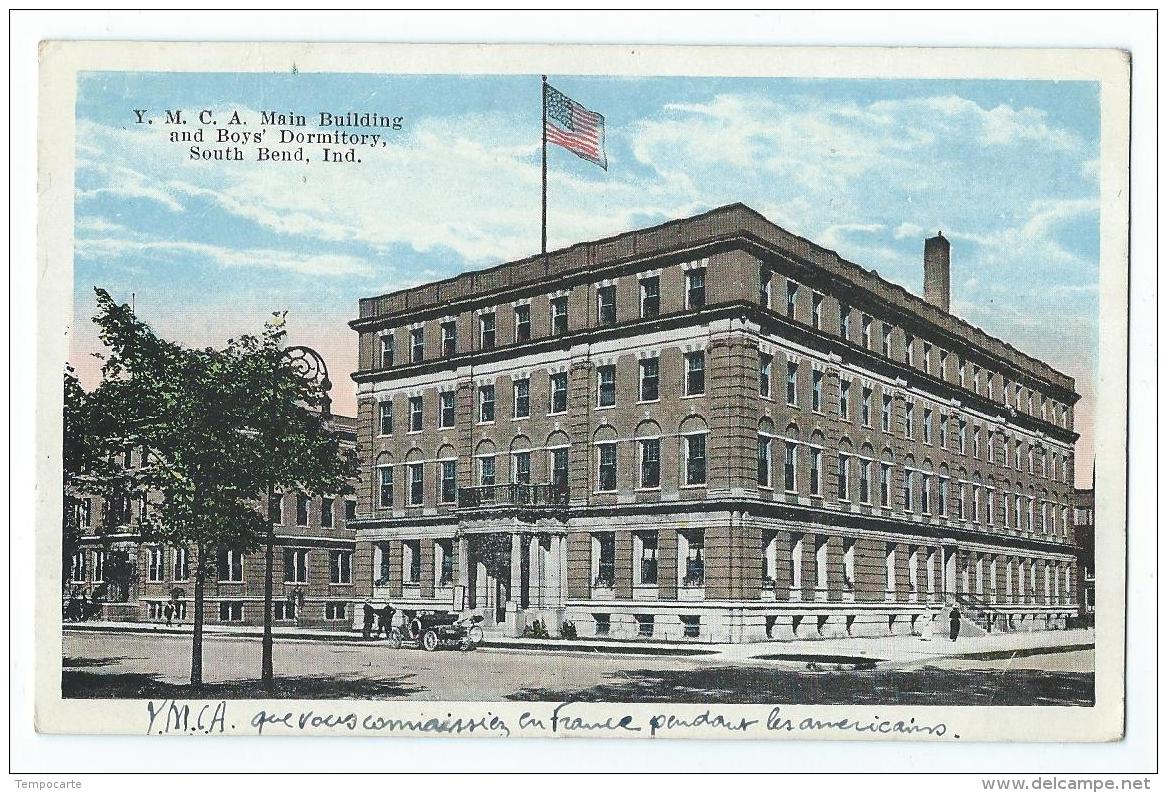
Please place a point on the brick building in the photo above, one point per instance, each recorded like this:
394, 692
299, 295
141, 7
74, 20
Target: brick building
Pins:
135, 579
1084, 545
710, 430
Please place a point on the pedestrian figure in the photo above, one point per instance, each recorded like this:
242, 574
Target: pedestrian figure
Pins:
385, 620
954, 624
168, 612
83, 607
367, 625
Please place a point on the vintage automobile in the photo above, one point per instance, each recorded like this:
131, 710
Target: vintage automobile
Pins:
431, 630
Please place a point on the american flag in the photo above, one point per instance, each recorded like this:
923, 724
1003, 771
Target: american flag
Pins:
574, 127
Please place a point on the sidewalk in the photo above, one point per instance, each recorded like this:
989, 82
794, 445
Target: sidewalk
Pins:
891, 650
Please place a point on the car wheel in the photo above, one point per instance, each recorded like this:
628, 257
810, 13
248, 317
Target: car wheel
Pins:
475, 636
429, 641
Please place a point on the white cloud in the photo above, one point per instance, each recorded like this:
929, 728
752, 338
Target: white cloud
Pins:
327, 264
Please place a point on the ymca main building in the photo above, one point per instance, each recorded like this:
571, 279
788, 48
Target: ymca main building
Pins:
708, 430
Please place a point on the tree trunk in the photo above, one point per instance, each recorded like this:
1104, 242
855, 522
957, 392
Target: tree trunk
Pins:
196, 651
266, 670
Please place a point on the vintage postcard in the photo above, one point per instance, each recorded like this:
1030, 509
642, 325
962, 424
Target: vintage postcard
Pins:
501, 391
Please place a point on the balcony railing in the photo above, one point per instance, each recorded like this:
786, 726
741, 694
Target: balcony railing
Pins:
512, 495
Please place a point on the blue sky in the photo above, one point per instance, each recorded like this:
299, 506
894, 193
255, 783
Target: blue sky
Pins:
1008, 170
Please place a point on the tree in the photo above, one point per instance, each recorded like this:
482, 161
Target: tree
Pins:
211, 423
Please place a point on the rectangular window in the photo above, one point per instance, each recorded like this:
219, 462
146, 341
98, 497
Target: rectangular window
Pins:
522, 323
326, 514
604, 550
695, 459
295, 566
385, 417
844, 474
230, 565
792, 383
886, 415
559, 469
865, 481
866, 332
942, 497
845, 399
650, 463
449, 339
649, 379
886, 340
607, 466
649, 297
764, 277
606, 386
559, 392
791, 300
522, 471
927, 352
816, 391
284, 610
765, 364
909, 490
976, 379
485, 404
486, 331
694, 373
444, 549
155, 570
417, 345
866, 406
693, 554
960, 370
845, 321
763, 461
816, 471
336, 611
559, 316
647, 548
928, 426
384, 486
415, 414
386, 350
885, 484
486, 471
416, 483
181, 570
909, 349
790, 468
976, 443
446, 409
990, 505
606, 305
926, 494
960, 434
275, 509
83, 513
302, 502
909, 419
603, 624
522, 398
816, 310
230, 611
943, 430
411, 562
449, 481
695, 289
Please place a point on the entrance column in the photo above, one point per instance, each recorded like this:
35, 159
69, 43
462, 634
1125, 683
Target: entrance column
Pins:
513, 611
464, 569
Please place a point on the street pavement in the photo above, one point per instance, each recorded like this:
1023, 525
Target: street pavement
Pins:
1014, 669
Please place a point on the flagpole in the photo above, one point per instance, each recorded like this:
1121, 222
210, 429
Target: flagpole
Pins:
544, 129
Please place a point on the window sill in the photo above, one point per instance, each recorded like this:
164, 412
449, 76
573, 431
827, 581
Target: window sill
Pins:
525, 417
606, 407
648, 489
693, 396
558, 413
484, 423
648, 401
699, 486
415, 432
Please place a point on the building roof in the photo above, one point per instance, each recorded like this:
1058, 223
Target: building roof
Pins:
733, 221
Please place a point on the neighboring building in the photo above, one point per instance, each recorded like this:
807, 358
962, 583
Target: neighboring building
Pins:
135, 578
1084, 544
711, 430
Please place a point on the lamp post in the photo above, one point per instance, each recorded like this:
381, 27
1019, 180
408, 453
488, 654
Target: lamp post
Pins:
309, 366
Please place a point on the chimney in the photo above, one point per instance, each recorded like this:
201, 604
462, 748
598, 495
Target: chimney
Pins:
936, 271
